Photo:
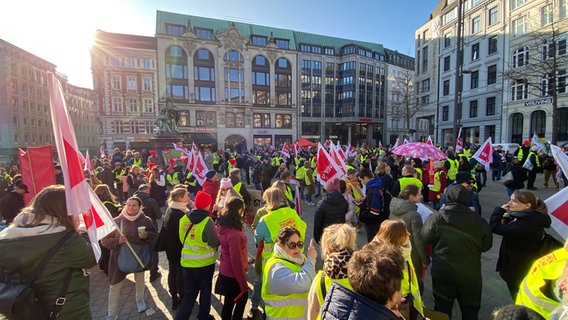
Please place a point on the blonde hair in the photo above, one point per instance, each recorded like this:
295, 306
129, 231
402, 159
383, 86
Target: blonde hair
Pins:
273, 197
393, 232
280, 185
337, 237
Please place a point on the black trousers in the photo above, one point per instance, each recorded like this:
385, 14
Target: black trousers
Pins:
231, 289
467, 290
175, 279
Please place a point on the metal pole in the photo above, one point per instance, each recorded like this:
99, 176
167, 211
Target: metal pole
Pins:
459, 74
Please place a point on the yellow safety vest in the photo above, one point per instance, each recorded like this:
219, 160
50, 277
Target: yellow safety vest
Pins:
549, 267
301, 173
535, 158
275, 161
404, 181
466, 153
437, 183
188, 180
276, 220
411, 287
453, 171
238, 186
419, 171
215, 158
292, 306
288, 193
328, 282
173, 178
520, 155
195, 252
137, 162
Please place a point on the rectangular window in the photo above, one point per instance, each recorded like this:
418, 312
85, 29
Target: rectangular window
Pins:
205, 94
117, 104
148, 106
329, 51
561, 83
261, 120
132, 105
476, 25
475, 51
562, 10
492, 74
447, 63
493, 16
206, 119
490, 106
206, 34
519, 90
492, 45
474, 79
258, 41
561, 47
425, 59
175, 29
283, 121
282, 43
115, 82
546, 15
520, 26
425, 85
517, 3
131, 83
473, 109
446, 88
445, 113
235, 119
447, 40
147, 84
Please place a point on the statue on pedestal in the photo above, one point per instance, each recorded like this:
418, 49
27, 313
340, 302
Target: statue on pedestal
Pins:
168, 118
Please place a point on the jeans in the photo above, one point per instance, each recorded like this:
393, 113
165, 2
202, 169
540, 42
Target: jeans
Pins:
256, 292
197, 281
496, 174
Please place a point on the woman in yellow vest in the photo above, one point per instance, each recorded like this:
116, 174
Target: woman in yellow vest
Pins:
395, 232
287, 277
337, 246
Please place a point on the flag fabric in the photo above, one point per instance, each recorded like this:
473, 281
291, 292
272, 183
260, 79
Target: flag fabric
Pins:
327, 169
200, 169
561, 159
485, 154
351, 150
180, 147
557, 206
405, 141
88, 165
396, 143
36, 167
340, 151
296, 149
380, 144
537, 142
327, 144
102, 152
285, 151
459, 144
76, 186
336, 157
297, 202
98, 222
429, 141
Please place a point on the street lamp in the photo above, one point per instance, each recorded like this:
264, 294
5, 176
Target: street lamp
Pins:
459, 74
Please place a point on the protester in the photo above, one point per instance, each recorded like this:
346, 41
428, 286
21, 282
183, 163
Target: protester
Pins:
438, 185
158, 186
34, 231
466, 180
103, 193
233, 264
226, 191
152, 210
309, 182
200, 242
239, 186
521, 222
374, 209
287, 276
211, 187
266, 173
549, 168
519, 177
351, 214
535, 167
498, 163
13, 202
458, 237
337, 247
409, 176
331, 209
134, 179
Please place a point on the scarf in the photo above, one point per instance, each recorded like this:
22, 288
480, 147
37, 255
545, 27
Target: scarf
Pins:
179, 206
281, 253
406, 251
129, 217
18, 229
335, 265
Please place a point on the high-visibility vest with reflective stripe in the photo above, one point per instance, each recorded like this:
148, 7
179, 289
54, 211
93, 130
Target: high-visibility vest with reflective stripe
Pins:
537, 161
276, 220
288, 193
453, 171
328, 282
292, 306
466, 153
188, 180
520, 155
300, 173
437, 183
404, 181
275, 161
195, 252
419, 171
411, 287
137, 162
173, 178
549, 267
215, 158
356, 196
238, 186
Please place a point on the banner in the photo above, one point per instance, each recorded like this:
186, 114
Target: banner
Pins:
558, 210
326, 167
485, 154
36, 167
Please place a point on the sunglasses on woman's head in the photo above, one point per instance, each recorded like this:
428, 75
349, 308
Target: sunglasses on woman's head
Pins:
293, 245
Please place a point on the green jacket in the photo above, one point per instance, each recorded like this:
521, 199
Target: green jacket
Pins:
23, 253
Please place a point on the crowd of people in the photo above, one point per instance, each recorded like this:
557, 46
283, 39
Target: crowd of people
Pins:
414, 213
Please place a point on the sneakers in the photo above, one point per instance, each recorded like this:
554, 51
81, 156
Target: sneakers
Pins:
311, 204
155, 276
141, 306
254, 314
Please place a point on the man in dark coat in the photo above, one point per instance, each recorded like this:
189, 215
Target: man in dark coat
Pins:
13, 203
458, 237
107, 177
330, 210
152, 210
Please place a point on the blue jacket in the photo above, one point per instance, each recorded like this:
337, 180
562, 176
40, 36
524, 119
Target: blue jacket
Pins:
343, 304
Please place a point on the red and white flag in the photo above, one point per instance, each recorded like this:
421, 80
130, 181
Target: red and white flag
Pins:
88, 164
334, 154
429, 141
180, 147
340, 151
98, 222
396, 143
285, 151
326, 167
459, 144
405, 141
327, 144
558, 210
485, 154
200, 169
296, 149
380, 144
102, 152
297, 202
561, 159
77, 190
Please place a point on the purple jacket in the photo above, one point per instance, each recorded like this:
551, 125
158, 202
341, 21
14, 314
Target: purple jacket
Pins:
234, 255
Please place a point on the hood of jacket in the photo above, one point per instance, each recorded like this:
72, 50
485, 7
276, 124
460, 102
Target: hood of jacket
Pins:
142, 195
333, 198
197, 215
375, 182
35, 247
538, 219
399, 206
457, 194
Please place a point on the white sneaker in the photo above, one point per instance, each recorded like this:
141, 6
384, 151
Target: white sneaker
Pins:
141, 305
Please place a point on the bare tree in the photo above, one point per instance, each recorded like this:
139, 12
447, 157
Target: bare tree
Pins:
404, 102
539, 66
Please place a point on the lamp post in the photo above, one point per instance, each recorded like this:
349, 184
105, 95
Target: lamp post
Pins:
459, 75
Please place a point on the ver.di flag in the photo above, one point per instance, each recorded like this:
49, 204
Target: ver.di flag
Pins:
557, 206
200, 169
485, 154
459, 144
285, 151
334, 154
326, 167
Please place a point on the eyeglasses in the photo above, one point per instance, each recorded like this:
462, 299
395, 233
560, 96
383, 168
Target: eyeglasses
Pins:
470, 182
293, 245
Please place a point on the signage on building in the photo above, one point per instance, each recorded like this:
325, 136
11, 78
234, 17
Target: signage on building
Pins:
538, 102
205, 130
311, 137
365, 119
261, 131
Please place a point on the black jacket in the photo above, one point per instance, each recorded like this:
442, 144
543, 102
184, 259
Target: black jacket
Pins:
520, 176
11, 205
458, 237
170, 234
521, 241
150, 207
330, 210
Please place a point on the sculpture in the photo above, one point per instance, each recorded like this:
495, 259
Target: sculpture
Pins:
168, 118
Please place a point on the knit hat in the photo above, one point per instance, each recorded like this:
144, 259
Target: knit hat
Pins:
202, 200
210, 174
526, 143
463, 176
226, 183
332, 185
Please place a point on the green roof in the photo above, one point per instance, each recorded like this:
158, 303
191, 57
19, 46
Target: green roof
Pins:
247, 29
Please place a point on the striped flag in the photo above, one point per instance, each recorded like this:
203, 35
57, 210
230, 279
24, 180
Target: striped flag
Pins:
485, 154
285, 151
459, 144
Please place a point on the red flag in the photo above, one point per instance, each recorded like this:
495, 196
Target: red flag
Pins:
340, 151
285, 150
180, 148
459, 144
429, 141
36, 167
333, 154
98, 222
558, 209
485, 154
76, 187
326, 166
327, 143
200, 169
296, 149
351, 150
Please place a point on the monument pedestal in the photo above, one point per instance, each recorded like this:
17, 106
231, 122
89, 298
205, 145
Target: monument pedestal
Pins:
164, 141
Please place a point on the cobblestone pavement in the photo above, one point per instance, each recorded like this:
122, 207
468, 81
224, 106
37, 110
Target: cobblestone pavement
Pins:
494, 295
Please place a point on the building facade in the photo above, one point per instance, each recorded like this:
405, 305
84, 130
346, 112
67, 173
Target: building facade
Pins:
24, 103
486, 93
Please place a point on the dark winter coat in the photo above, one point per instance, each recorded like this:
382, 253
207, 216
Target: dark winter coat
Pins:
343, 304
170, 234
330, 210
521, 241
11, 205
406, 211
150, 207
520, 176
458, 237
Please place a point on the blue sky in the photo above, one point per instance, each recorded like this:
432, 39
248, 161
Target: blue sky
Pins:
61, 31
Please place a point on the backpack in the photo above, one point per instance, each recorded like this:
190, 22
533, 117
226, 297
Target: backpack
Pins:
17, 295
378, 207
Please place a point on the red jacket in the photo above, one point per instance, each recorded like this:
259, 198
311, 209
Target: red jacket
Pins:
212, 188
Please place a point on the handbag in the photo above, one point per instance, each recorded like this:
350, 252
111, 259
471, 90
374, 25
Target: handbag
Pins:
507, 178
127, 263
548, 244
528, 164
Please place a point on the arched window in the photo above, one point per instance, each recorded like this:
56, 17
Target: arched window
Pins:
283, 82
204, 76
176, 73
538, 123
517, 128
520, 57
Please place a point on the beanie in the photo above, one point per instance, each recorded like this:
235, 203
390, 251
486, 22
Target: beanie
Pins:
463, 176
226, 183
332, 185
526, 143
202, 200
210, 174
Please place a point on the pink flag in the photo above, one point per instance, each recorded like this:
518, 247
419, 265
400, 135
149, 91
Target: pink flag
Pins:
285, 150
485, 154
326, 166
200, 169
296, 149
36, 167
395, 144
380, 144
429, 141
459, 144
